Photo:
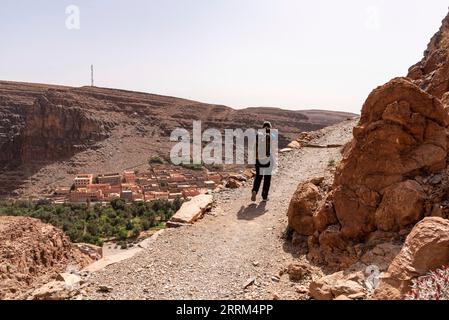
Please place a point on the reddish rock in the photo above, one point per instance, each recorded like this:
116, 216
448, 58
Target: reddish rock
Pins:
233, 184
337, 284
381, 255
426, 248
32, 253
297, 271
402, 205
302, 207
432, 72
324, 216
402, 130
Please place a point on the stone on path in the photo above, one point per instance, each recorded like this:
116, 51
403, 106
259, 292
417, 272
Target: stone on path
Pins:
193, 210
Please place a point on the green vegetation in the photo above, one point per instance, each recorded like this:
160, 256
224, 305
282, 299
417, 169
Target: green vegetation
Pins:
192, 166
156, 160
94, 224
331, 163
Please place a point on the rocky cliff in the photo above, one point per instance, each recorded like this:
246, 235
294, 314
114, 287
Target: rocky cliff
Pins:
432, 73
393, 174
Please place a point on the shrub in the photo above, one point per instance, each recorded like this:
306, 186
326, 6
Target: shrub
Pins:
118, 204
434, 286
122, 234
193, 166
136, 232
156, 160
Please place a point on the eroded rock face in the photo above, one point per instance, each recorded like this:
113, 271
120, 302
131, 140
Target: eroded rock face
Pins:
432, 72
402, 133
31, 253
57, 126
393, 174
426, 248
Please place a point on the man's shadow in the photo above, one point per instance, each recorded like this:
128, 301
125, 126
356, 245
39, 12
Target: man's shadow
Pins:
252, 211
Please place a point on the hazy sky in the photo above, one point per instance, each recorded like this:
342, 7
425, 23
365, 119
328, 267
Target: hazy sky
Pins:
294, 54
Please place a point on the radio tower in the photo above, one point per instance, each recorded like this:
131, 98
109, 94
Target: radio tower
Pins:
92, 75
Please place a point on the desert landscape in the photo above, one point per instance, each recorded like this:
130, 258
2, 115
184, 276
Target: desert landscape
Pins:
48, 134
92, 209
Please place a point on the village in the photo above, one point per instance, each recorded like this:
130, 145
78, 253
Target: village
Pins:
162, 182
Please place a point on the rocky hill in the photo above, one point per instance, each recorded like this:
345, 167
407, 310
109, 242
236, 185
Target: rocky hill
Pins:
33, 253
388, 203
48, 133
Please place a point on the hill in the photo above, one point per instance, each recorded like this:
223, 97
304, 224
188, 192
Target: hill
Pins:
48, 133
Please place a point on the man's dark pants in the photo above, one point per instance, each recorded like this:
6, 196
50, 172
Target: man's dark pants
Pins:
258, 181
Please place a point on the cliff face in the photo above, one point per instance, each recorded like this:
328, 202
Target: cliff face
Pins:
432, 73
57, 126
44, 123
11, 125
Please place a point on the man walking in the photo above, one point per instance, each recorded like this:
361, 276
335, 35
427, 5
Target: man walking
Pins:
264, 162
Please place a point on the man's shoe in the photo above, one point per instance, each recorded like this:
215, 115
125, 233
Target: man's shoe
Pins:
253, 196
265, 200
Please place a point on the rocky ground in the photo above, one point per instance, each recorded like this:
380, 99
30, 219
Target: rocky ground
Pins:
237, 251
33, 253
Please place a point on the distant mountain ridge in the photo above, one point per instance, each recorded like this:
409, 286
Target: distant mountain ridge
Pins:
42, 124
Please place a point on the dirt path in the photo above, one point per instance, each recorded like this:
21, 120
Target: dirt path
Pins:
236, 242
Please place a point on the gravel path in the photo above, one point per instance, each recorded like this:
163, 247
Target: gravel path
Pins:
236, 245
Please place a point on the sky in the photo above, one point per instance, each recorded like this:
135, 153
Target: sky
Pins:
293, 54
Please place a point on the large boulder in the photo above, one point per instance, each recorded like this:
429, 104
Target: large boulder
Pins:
426, 248
193, 210
349, 284
302, 207
392, 175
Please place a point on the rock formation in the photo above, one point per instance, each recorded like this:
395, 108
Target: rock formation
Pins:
57, 126
432, 72
401, 135
32, 253
426, 248
393, 175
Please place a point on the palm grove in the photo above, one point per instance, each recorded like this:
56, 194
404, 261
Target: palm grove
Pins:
97, 223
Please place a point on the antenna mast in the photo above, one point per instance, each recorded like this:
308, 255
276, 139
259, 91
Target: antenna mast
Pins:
92, 75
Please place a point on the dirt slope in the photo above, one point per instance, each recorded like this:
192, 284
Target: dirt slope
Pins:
237, 241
